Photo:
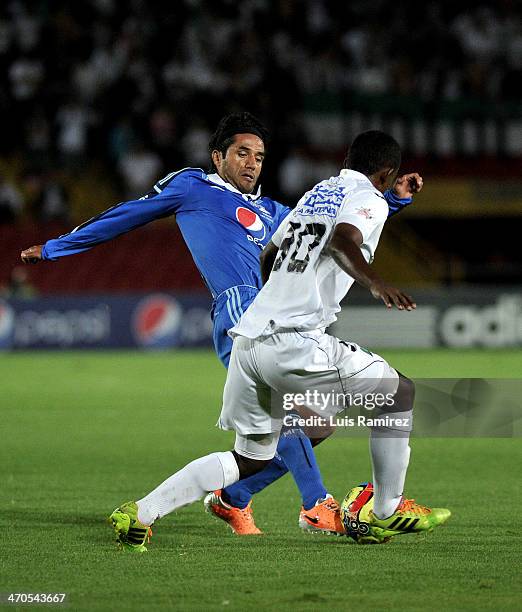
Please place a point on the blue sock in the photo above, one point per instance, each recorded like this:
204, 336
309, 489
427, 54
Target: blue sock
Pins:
294, 454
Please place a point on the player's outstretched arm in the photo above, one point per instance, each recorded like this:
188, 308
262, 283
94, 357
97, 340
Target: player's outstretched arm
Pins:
345, 248
109, 224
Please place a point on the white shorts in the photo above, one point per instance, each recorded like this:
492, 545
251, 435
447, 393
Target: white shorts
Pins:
263, 370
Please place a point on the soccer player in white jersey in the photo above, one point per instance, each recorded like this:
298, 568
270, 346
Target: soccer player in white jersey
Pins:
281, 348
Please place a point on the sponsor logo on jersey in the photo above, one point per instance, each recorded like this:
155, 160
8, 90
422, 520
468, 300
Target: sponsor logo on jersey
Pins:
7, 320
156, 321
264, 212
252, 223
365, 212
321, 200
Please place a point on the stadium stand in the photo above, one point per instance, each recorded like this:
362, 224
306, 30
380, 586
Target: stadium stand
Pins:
148, 259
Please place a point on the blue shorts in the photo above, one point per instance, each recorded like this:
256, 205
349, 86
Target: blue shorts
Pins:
226, 312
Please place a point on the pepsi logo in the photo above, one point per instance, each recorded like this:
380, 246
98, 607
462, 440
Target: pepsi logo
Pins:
156, 322
252, 222
7, 319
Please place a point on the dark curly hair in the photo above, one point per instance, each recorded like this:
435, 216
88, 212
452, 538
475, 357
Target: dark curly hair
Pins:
229, 126
373, 151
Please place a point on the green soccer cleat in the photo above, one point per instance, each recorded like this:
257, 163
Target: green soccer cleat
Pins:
409, 517
131, 535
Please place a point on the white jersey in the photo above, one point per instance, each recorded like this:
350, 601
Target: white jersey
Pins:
306, 285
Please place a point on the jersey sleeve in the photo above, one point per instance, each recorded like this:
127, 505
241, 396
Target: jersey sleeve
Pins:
395, 204
164, 200
366, 211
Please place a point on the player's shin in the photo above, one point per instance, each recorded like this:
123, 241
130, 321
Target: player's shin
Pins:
390, 449
205, 474
296, 450
390, 452
216, 471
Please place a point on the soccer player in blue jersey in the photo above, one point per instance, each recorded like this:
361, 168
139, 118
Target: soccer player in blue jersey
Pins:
224, 208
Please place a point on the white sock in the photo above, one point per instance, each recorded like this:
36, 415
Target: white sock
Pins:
390, 458
206, 474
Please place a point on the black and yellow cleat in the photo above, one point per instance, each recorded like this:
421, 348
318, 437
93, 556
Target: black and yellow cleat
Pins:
131, 535
409, 517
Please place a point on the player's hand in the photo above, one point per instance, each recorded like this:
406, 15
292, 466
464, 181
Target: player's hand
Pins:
32, 255
392, 297
407, 185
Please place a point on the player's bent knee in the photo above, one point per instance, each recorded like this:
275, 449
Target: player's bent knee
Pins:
249, 467
254, 451
405, 395
315, 433
318, 436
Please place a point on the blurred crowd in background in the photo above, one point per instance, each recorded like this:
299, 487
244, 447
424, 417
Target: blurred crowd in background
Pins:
141, 89
112, 95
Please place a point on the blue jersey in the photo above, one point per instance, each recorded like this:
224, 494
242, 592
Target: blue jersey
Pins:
224, 229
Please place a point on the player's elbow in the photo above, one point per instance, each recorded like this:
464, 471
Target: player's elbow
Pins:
345, 246
335, 248
346, 235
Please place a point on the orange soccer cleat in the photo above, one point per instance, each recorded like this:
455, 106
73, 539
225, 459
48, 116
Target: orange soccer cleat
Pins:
324, 517
240, 520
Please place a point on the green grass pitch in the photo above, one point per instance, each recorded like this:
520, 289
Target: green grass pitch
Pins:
83, 432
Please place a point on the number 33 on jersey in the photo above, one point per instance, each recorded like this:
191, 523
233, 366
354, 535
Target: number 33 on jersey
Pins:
306, 285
